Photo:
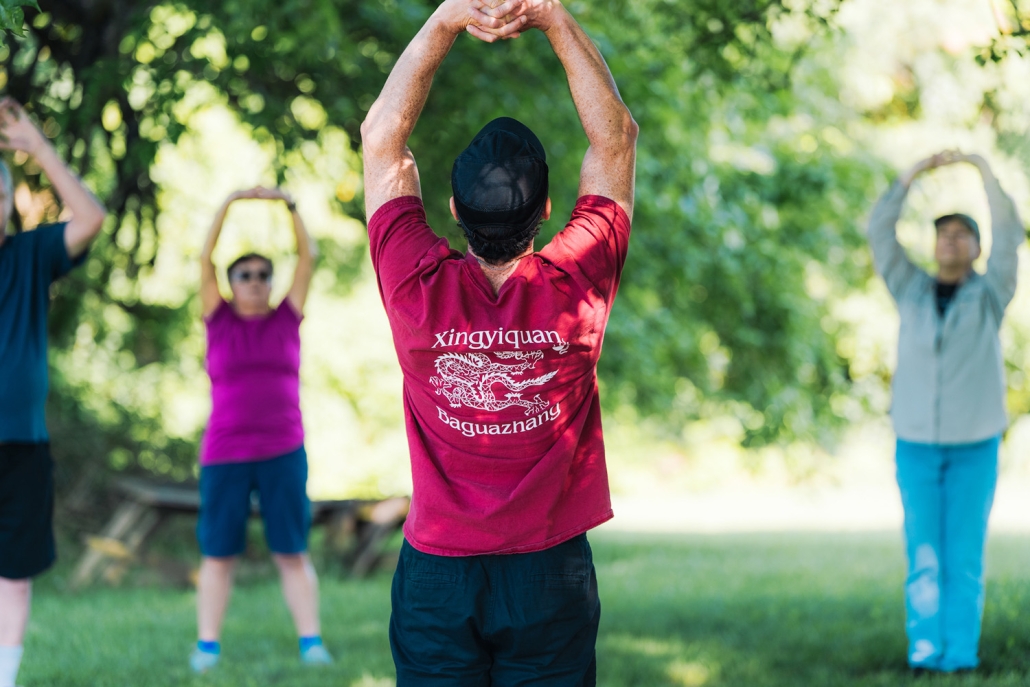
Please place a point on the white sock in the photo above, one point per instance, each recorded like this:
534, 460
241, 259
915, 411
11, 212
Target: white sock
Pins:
10, 661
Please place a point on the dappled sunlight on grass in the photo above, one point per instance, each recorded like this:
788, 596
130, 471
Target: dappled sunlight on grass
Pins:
746, 610
647, 646
661, 661
781, 609
369, 681
692, 674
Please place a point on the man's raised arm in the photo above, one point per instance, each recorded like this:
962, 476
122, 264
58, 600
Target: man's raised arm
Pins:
390, 170
609, 168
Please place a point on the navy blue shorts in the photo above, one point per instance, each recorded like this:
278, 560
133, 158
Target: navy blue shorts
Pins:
496, 621
281, 486
26, 510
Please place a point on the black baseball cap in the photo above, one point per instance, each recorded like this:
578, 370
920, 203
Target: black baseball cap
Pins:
970, 223
500, 182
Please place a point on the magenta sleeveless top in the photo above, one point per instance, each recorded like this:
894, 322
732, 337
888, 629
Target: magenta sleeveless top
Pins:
254, 365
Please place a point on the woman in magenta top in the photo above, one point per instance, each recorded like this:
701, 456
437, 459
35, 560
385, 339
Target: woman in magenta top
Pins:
254, 441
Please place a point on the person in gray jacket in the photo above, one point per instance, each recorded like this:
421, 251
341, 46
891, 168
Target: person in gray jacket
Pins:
948, 410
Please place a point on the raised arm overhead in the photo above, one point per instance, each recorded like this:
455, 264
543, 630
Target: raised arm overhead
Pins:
1007, 235
17, 132
390, 170
609, 167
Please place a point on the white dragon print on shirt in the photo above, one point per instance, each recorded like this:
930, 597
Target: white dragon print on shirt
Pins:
468, 379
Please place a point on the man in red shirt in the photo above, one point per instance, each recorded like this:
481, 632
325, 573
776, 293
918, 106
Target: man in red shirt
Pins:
499, 347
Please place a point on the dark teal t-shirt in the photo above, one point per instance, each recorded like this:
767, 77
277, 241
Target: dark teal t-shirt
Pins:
29, 263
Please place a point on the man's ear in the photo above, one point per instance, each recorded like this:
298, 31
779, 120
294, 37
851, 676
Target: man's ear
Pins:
547, 210
454, 210
976, 250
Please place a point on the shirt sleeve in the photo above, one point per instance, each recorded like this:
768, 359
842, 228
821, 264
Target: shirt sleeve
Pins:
219, 312
287, 311
52, 252
400, 240
1008, 235
594, 243
889, 256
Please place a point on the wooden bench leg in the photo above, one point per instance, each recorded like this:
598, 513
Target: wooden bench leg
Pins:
133, 541
370, 549
385, 518
125, 517
340, 533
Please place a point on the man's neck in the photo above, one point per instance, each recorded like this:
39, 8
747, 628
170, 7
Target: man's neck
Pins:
498, 274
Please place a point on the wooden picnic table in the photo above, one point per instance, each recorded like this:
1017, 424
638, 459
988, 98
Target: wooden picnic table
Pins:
356, 529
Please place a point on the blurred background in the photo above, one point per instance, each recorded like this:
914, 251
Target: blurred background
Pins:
745, 376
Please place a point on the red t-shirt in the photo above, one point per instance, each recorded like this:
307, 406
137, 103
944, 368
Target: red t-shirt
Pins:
500, 392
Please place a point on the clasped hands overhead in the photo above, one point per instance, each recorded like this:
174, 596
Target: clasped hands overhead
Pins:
491, 20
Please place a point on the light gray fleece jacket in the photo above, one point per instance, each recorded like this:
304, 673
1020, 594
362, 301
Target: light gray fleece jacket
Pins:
949, 387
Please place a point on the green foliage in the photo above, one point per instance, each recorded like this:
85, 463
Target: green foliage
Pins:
737, 313
747, 198
1013, 20
12, 16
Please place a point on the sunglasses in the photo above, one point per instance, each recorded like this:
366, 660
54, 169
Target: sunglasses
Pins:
248, 276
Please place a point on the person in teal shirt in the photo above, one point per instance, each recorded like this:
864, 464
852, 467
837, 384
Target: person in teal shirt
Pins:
29, 263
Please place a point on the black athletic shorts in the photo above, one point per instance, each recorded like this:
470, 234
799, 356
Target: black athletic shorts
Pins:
496, 621
26, 510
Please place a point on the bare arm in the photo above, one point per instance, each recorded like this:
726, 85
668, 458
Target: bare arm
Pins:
390, 170
210, 297
19, 133
609, 167
306, 254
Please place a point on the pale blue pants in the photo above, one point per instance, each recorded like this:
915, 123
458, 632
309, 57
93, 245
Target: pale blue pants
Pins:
947, 493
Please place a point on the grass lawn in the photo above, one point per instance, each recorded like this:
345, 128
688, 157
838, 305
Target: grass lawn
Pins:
679, 610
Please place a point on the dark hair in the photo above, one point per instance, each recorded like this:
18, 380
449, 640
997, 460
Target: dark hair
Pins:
965, 220
247, 257
499, 250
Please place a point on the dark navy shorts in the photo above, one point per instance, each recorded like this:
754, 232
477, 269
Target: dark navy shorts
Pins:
496, 621
281, 486
26, 510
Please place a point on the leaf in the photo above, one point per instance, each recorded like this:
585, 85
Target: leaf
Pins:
12, 17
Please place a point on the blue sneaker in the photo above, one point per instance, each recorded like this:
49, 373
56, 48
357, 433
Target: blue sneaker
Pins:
316, 656
203, 661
